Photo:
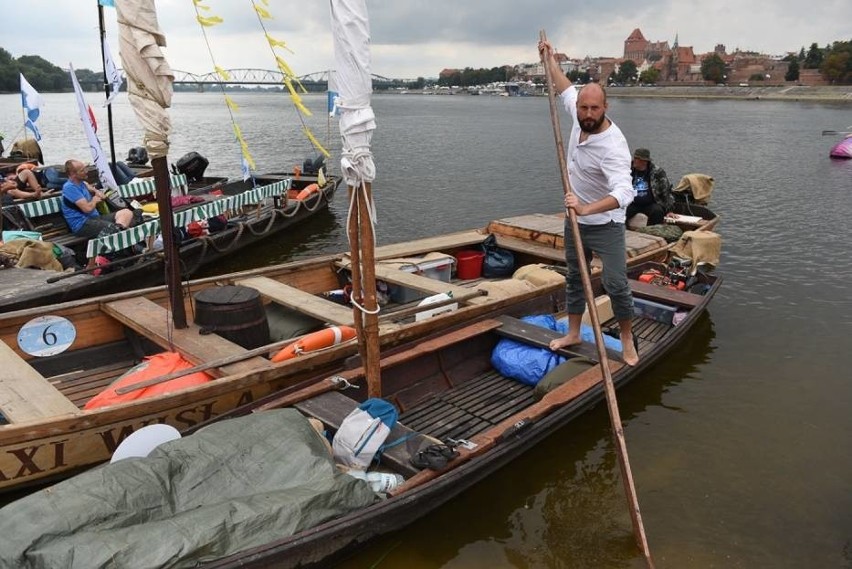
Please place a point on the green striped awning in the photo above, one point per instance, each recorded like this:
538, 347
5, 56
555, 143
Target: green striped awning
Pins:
145, 186
37, 208
129, 237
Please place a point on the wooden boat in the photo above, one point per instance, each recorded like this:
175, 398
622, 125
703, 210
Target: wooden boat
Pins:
42, 391
254, 213
446, 389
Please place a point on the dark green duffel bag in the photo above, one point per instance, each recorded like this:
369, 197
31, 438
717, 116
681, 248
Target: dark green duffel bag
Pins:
562, 373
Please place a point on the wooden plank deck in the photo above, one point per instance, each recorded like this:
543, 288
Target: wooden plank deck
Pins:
471, 408
664, 294
304, 302
25, 394
154, 322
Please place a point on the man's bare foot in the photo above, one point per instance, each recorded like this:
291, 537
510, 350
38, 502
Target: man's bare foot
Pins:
628, 351
565, 341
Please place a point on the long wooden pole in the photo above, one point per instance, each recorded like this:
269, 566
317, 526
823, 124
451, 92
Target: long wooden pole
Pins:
609, 387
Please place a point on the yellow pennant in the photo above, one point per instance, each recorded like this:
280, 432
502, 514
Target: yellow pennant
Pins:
209, 22
277, 43
316, 142
321, 181
222, 73
199, 4
262, 13
231, 104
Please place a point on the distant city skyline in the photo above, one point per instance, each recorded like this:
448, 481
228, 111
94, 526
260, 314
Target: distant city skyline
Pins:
419, 40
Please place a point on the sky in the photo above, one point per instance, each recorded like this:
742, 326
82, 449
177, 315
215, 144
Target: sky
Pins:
419, 38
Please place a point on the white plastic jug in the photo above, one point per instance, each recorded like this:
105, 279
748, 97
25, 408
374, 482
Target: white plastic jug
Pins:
435, 311
380, 482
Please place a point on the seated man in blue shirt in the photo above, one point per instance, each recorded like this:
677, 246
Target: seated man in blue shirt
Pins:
80, 201
652, 187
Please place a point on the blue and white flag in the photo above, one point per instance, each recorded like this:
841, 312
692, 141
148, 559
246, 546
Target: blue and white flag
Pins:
332, 94
113, 77
246, 169
98, 156
32, 102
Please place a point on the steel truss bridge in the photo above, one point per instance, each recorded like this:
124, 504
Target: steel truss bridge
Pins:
314, 82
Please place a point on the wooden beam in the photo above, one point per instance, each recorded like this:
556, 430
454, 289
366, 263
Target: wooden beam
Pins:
418, 282
665, 294
152, 321
24, 394
304, 302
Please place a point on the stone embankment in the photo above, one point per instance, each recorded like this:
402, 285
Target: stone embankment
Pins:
841, 94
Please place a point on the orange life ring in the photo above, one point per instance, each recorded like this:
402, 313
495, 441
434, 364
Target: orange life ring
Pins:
25, 166
157, 365
304, 194
316, 341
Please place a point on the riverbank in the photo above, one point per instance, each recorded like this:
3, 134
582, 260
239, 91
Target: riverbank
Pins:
841, 93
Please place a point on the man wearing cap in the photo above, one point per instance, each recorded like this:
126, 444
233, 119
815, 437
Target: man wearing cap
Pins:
653, 189
599, 172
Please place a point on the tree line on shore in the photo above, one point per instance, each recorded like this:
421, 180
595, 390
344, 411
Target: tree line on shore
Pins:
834, 62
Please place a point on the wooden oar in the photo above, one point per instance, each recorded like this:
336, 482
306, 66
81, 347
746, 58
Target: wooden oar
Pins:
208, 365
609, 387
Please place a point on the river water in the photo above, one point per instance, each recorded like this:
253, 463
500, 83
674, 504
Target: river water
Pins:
740, 443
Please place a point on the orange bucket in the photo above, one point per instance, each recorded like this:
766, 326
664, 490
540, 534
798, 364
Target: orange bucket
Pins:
469, 264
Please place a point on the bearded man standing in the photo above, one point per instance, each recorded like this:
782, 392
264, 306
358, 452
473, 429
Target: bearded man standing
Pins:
601, 189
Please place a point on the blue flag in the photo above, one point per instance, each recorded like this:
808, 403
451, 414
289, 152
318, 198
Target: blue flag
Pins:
32, 102
107, 3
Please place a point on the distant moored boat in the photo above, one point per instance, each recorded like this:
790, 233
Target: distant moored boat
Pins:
842, 149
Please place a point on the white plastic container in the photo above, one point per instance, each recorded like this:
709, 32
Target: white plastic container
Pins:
380, 482
439, 269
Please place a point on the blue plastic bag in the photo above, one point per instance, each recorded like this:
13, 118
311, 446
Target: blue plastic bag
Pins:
529, 364
526, 363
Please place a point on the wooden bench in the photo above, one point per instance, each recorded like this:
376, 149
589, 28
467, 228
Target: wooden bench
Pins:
541, 337
332, 407
25, 395
665, 294
152, 321
304, 302
419, 282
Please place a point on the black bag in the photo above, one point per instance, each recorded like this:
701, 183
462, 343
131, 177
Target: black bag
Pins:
498, 262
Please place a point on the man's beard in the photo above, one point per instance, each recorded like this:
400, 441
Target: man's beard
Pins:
591, 125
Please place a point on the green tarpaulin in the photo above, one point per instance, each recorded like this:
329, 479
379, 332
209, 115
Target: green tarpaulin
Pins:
230, 486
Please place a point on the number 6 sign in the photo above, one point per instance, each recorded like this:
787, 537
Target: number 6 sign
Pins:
46, 336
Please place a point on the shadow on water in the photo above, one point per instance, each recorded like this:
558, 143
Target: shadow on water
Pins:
562, 503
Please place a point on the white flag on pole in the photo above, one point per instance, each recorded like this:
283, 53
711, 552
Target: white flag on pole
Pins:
32, 102
113, 77
98, 156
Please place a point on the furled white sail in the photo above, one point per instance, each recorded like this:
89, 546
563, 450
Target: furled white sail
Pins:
351, 31
149, 77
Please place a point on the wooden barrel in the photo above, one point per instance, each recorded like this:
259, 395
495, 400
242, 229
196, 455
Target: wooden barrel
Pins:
233, 312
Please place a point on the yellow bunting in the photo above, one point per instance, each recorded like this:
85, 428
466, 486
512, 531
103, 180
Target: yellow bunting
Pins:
231, 104
277, 43
222, 73
209, 22
262, 13
315, 142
